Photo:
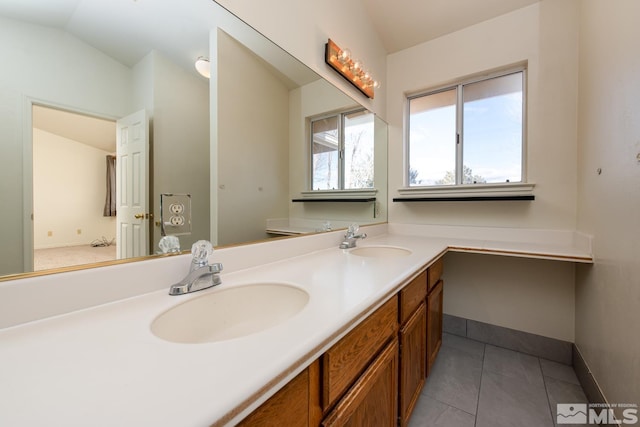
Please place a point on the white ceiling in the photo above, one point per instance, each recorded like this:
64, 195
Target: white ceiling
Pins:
405, 23
92, 131
126, 30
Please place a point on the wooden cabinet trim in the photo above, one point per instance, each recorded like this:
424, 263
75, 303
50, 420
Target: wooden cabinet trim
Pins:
315, 394
434, 323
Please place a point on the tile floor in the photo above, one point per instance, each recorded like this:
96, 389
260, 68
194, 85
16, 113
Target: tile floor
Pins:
473, 384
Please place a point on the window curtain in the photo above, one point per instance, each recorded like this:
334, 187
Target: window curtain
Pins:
110, 201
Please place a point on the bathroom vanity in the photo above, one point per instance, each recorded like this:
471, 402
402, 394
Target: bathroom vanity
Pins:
359, 380
359, 343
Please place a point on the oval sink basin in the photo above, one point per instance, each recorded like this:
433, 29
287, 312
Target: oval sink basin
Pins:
230, 313
380, 251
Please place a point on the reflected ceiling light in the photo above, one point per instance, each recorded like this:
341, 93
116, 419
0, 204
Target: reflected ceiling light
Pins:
203, 66
349, 68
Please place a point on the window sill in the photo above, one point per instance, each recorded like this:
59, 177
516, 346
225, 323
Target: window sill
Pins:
366, 195
471, 192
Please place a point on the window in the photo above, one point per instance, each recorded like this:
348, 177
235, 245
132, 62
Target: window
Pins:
342, 151
469, 133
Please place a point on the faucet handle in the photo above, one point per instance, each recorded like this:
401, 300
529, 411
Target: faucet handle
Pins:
201, 250
216, 267
353, 230
169, 244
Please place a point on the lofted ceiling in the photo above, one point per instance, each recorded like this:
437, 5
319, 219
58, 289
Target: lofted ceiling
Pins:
91, 131
401, 24
126, 30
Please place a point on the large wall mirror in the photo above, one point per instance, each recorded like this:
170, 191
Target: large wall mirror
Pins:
80, 78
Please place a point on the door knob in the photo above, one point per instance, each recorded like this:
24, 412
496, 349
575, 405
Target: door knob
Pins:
138, 216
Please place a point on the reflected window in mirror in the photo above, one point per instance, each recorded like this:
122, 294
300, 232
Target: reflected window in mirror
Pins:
342, 151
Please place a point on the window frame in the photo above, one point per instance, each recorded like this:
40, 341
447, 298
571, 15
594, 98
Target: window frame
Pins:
521, 186
341, 114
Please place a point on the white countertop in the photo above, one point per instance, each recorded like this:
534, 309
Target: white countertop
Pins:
102, 366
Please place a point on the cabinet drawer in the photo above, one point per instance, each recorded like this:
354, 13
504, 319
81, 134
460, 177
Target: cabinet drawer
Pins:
348, 358
412, 296
434, 273
373, 399
289, 406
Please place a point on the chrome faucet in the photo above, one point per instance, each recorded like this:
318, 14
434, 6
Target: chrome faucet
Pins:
202, 275
350, 237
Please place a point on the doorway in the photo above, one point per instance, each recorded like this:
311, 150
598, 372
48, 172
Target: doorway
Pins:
69, 188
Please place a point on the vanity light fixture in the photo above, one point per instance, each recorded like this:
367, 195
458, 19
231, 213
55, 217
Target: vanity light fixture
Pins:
203, 66
351, 69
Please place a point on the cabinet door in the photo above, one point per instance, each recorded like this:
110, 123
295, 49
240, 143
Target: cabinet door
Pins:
434, 323
413, 358
349, 357
288, 407
373, 399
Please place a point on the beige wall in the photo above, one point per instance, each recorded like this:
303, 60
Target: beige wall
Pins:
545, 36
608, 293
252, 144
312, 26
69, 192
533, 296
69, 73
302, 29
530, 295
81, 78
180, 145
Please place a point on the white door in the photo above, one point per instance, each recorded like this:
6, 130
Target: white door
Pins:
132, 185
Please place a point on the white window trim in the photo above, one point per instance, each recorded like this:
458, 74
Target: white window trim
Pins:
522, 188
347, 194
475, 190
365, 192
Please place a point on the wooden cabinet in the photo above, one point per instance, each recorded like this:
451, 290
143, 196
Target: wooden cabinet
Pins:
372, 401
349, 357
413, 357
374, 375
412, 337
434, 323
291, 406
